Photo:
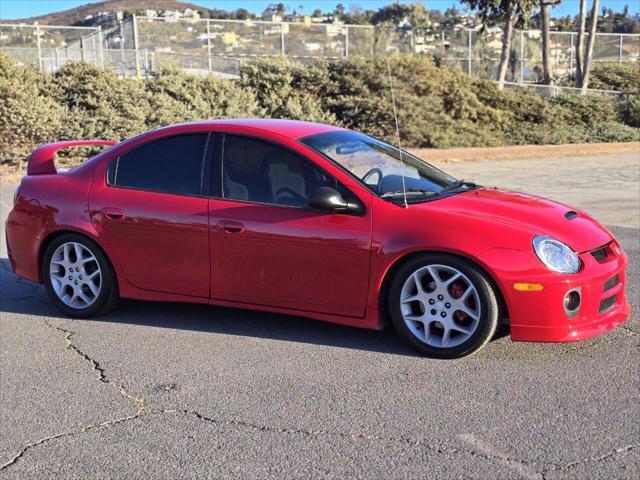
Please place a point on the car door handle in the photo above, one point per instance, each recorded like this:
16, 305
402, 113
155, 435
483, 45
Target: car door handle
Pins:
231, 227
113, 213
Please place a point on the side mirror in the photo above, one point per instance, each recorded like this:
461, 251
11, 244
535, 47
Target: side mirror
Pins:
330, 200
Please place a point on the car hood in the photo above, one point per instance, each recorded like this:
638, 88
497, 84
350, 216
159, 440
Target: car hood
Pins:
530, 215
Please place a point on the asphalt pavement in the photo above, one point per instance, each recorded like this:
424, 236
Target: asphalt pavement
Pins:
188, 391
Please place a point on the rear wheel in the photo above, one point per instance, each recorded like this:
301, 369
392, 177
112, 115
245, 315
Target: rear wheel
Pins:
444, 306
78, 277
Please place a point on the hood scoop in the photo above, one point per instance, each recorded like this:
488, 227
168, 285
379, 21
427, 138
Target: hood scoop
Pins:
571, 215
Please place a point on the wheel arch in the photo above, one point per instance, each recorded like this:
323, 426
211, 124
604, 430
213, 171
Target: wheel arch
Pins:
53, 235
383, 291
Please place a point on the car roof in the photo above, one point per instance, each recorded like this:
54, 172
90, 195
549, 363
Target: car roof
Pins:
292, 129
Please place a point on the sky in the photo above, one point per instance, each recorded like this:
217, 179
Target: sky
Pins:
13, 9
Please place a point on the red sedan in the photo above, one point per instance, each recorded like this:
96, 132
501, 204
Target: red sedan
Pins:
317, 221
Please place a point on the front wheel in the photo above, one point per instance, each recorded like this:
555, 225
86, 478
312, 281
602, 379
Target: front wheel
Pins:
78, 277
444, 306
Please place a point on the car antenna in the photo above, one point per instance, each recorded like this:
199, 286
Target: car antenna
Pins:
395, 117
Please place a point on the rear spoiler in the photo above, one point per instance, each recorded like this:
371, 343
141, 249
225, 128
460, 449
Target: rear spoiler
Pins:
41, 160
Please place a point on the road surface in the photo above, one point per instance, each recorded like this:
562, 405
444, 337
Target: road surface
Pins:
174, 390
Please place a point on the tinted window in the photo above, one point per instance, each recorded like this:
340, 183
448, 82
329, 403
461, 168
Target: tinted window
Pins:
262, 172
169, 165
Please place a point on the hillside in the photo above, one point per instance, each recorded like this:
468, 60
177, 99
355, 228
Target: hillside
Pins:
78, 14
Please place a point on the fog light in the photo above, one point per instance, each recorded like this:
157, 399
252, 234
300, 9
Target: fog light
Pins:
572, 303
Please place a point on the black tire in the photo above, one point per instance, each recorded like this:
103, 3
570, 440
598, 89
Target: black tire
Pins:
107, 297
488, 299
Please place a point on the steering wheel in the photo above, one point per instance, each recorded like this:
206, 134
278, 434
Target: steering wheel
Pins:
373, 171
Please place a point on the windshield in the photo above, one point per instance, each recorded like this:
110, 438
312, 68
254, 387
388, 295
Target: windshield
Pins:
378, 166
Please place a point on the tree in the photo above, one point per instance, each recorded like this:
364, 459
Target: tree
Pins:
580, 42
452, 17
276, 8
546, 39
242, 14
588, 54
357, 16
584, 53
510, 13
419, 16
397, 13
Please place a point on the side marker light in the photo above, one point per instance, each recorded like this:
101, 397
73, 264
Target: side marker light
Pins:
528, 287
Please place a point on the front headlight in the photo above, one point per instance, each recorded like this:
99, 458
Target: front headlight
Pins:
556, 255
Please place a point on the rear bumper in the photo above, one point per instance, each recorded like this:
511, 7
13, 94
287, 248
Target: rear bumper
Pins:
22, 247
540, 316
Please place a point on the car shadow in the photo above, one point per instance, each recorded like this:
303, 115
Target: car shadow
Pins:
23, 297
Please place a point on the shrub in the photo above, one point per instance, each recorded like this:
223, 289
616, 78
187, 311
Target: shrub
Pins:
622, 77
28, 115
99, 104
629, 109
284, 89
587, 109
612, 132
436, 106
178, 97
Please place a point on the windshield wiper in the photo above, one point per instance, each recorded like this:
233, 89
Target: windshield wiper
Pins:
400, 193
457, 184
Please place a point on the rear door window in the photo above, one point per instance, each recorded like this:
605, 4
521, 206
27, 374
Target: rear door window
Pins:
168, 165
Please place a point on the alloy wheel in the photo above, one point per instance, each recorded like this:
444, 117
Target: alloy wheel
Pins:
440, 306
75, 275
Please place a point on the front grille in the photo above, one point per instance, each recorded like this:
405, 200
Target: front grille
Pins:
612, 282
607, 304
600, 254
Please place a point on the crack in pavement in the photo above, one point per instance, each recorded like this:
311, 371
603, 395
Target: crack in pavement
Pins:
310, 433
524, 468
106, 423
139, 402
628, 330
569, 466
481, 450
487, 454
102, 377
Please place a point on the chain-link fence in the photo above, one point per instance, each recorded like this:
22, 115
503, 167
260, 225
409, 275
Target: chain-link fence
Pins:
141, 45
50, 47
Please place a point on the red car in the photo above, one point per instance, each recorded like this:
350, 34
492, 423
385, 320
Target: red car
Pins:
316, 221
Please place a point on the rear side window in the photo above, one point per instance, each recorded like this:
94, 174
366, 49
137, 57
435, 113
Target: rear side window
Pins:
168, 165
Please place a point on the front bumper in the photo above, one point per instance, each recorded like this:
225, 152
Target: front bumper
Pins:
540, 316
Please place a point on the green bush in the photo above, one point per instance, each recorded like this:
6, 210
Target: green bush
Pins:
29, 116
98, 104
586, 109
622, 77
177, 97
568, 118
290, 90
629, 109
436, 106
